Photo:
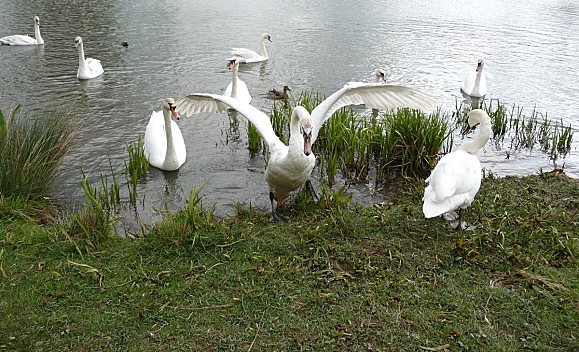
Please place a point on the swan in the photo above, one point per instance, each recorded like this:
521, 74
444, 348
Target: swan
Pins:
237, 88
19, 39
475, 82
164, 146
279, 95
380, 75
456, 179
87, 68
289, 166
248, 56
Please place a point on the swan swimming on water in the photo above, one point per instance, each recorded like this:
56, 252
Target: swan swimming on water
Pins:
380, 75
456, 179
19, 39
163, 144
289, 166
237, 88
248, 56
87, 68
475, 82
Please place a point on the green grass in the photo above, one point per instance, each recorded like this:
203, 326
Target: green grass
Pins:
31, 148
334, 278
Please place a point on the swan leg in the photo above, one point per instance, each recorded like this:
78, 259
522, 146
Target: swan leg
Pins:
460, 217
275, 217
310, 189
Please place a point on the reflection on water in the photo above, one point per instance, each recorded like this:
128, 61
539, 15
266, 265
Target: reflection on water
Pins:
427, 45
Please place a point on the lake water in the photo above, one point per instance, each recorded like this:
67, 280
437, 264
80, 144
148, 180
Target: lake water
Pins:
182, 46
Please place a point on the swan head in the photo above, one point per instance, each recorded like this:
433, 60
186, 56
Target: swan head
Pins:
480, 65
380, 75
232, 62
475, 118
306, 131
77, 41
170, 106
265, 36
36, 20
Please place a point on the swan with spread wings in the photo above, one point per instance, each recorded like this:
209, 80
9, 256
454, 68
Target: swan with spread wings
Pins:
289, 166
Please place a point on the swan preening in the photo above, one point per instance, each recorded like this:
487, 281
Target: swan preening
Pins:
475, 82
19, 39
289, 166
380, 75
164, 145
248, 56
279, 95
456, 179
87, 68
237, 88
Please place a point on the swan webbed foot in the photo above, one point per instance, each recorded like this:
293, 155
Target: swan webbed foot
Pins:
275, 217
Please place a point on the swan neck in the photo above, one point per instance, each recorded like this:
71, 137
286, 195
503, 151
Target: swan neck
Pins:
262, 49
483, 137
37, 36
234, 81
169, 134
81, 60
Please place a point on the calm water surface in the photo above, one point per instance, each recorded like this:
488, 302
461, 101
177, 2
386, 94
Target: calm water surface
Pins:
180, 47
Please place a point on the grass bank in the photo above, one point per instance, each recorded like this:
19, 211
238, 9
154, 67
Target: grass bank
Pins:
334, 278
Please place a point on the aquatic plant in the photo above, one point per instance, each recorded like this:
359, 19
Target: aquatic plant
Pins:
137, 167
254, 139
31, 148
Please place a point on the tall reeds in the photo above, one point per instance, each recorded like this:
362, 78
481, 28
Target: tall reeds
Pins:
31, 148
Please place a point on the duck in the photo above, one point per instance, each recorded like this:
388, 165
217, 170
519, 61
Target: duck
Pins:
380, 75
125, 44
163, 143
19, 39
279, 95
249, 56
87, 68
475, 82
237, 88
456, 178
289, 166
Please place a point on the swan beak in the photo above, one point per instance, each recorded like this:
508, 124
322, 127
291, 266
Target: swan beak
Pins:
231, 64
176, 115
478, 67
269, 38
307, 144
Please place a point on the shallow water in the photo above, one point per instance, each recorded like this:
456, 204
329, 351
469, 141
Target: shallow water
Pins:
182, 46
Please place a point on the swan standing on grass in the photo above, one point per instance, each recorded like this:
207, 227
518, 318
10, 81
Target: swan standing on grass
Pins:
289, 166
164, 145
87, 68
248, 56
456, 179
237, 88
19, 39
475, 82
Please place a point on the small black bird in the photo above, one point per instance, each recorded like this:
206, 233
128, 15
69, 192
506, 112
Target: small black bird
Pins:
125, 44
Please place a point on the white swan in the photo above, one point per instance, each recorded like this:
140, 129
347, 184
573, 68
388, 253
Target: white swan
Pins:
248, 56
289, 166
164, 145
475, 82
380, 75
237, 88
87, 68
456, 179
19, 39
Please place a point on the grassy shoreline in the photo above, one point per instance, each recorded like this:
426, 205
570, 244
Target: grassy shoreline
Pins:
334, 278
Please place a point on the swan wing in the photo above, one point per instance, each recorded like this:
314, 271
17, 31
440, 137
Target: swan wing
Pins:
453, 183
244, 53
373, 95
199, 103
18, 40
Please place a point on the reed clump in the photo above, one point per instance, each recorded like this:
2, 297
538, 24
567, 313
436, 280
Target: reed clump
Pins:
31, 148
